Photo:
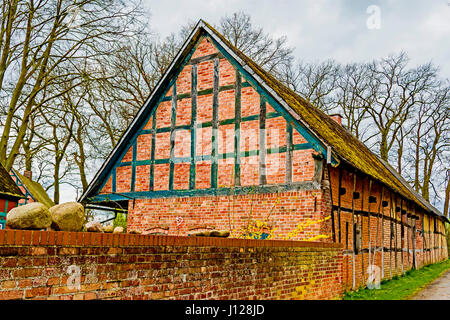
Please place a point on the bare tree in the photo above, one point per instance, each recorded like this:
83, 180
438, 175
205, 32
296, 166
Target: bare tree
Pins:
430, 141
272, 54
447, 195
36, 38
315, 82
394, 94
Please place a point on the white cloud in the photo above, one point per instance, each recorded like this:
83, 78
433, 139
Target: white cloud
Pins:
321, 29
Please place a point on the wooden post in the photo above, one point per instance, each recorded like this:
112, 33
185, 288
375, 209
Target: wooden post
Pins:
354, 229
368, 220
193, 126
289, 145
408, 226
215, 125
401, 245
152, 155
237, 130
376, 234
390, 235
172, 135
425, 244
362, 232
339, 203
430, 235
262, 143
332, 205
429, 240
414, 238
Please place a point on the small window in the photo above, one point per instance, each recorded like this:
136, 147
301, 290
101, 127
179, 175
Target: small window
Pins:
356, 238
346, 233
392, 230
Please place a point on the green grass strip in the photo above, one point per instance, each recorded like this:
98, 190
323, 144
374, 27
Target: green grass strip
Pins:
402, 287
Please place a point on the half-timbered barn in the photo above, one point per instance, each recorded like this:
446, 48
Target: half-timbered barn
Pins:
10, 195
221, 143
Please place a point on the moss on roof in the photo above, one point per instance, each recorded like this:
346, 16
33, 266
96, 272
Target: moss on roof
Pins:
36, 189
7, 185
343, 143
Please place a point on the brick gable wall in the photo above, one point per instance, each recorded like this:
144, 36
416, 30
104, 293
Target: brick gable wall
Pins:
214, 103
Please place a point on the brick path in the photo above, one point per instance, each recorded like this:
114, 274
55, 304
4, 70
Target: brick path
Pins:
439, 289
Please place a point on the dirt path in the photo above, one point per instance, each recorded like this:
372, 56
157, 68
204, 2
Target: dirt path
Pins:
439, 289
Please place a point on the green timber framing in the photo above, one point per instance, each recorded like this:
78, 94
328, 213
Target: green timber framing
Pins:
19, 183
3, 215
9, 193
129, 139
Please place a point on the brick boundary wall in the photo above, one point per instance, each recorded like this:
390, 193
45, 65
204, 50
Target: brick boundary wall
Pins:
36, 264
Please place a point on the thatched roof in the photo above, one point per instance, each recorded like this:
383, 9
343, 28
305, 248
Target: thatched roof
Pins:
36, 190
8, 187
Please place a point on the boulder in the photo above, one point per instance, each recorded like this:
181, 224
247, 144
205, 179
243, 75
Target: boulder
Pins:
33, 216
201, 234
135, 232
93, 226
118, 230
67, 216
108, 229
221, 233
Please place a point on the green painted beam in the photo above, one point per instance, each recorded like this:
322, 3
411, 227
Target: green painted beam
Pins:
237, 130
172, 136
193, 125
215, 125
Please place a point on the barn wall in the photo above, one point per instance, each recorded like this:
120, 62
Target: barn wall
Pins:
382, 231
5, 206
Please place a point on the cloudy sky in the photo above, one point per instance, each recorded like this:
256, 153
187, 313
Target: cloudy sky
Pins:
333, 29
347, 31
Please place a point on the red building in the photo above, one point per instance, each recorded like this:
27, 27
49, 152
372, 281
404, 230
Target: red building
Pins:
221, 144
10, 195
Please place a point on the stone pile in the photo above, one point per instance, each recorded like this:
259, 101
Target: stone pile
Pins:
213, 233
36, 216
70, 216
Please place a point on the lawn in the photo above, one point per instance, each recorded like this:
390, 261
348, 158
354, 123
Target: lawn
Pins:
401, 288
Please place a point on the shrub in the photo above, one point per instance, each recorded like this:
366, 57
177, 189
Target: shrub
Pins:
120, 221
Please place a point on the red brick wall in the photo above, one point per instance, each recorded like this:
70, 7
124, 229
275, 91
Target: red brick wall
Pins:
37, 265
283, 211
